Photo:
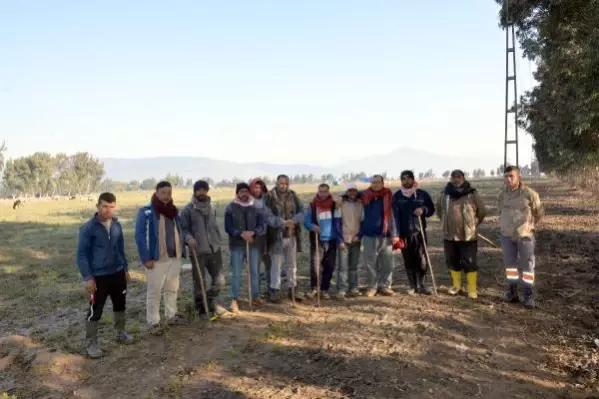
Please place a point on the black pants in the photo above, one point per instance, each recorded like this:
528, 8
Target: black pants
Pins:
213, 264
265, 259
461, 255
328, 259
414, 260
113, 286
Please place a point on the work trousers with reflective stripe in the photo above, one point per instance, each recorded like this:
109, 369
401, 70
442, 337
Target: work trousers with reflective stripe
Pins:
519, 260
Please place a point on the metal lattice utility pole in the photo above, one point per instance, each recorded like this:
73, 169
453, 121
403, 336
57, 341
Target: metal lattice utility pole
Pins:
510, 52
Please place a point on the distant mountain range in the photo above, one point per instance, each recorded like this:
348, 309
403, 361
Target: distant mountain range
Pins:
127, 169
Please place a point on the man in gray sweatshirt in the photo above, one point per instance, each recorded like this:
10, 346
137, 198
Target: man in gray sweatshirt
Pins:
202, 235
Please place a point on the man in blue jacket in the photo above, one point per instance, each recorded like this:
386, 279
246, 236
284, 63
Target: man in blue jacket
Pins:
159, 242
323, 221
378, 235
103, 266
410, 204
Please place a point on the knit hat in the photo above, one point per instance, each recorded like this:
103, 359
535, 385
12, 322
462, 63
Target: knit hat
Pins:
457, 173
241, 186
201, 184
407, 174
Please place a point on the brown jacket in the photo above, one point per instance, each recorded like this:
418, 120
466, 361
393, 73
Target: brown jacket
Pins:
460, 217
352, 214
519, 211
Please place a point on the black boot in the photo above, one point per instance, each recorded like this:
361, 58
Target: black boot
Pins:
422, 288
511, 293
119, 324
529, 301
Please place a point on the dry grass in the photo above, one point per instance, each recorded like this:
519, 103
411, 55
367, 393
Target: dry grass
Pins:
364, 348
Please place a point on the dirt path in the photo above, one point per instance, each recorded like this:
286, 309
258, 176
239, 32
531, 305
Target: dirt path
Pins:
400, 347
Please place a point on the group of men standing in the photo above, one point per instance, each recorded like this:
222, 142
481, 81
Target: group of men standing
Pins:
264, 227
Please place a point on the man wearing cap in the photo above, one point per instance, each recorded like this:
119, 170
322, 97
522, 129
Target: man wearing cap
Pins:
378, 234
202, 235
352, 214
411, 207
243, 224
461, 210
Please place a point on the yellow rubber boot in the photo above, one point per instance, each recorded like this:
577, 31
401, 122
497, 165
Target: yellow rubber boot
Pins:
471, 279
456, 278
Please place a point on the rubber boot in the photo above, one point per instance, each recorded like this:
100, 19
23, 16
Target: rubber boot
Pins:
471, 279
119, 325
511, 293
91, 340
529, 301
456, 279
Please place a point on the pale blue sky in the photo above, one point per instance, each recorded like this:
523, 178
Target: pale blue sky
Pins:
315, 81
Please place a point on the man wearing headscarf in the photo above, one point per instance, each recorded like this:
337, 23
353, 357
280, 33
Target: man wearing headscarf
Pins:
378, 234
243, 224
410, 203
202, 235
461, 210
284, 243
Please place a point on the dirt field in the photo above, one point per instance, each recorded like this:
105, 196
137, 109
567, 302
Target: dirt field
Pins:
400, 347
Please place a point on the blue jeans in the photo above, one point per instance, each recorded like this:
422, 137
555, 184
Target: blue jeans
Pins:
238, 264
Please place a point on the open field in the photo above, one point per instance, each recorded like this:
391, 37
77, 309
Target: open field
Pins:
400, 347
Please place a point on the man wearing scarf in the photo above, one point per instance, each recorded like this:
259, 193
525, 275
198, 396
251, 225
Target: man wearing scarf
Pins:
461, 210
284, 243
159, 242
244, 224
259, 192
520, 210
352, 213
202, 234
410, 204
323, 221
378, 234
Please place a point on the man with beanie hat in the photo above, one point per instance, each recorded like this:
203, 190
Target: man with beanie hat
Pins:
201, 233
461, 210
243, 224
259, 191
410, 204
352, 214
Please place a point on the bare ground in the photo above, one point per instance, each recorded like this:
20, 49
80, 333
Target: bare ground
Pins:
400, 347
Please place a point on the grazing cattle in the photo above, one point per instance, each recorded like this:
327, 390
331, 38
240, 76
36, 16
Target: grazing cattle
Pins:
18, 203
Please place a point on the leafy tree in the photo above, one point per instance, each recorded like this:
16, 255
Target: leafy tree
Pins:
148, 184
189, 183
174, 180
446, 174
2, 152
492, 172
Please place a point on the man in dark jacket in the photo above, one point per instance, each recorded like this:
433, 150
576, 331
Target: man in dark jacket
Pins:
410, 204
103, 266
244, 224
202, 235
378, 234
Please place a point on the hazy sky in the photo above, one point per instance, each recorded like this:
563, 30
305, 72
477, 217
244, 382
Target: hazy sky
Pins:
317, 81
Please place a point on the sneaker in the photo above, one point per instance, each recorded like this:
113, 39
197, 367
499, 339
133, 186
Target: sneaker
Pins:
423, 290
219, 310
341, 296
273, 296
311, 294
325, 295
354, 292
411, 291
386, 291
454, 291
204, 316
156, 330
177, 320
371, 292
257, 301
234, 307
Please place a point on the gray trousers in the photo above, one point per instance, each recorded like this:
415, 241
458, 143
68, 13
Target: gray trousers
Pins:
378, 259
284, 251
519, 260
347, 269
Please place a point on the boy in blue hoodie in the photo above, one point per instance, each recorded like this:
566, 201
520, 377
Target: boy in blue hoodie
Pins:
323, 221
103, 266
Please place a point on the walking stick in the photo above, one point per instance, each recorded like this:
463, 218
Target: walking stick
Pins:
196, 265
485, 239
428, 259
292, 282
247, 262
317, 267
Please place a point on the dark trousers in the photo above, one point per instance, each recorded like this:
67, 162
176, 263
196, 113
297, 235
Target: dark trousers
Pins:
414, 260
213, 264
265, 259
113, 286
328, 258
461, 255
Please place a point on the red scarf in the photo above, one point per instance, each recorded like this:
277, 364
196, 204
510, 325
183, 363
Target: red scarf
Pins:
370, 195
325, 204
168, 210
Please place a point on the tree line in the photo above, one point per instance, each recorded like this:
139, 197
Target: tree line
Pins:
562, 111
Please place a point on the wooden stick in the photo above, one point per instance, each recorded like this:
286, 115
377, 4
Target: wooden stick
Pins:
196, 265
485, 239
247, 262
428, 259
317, 266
